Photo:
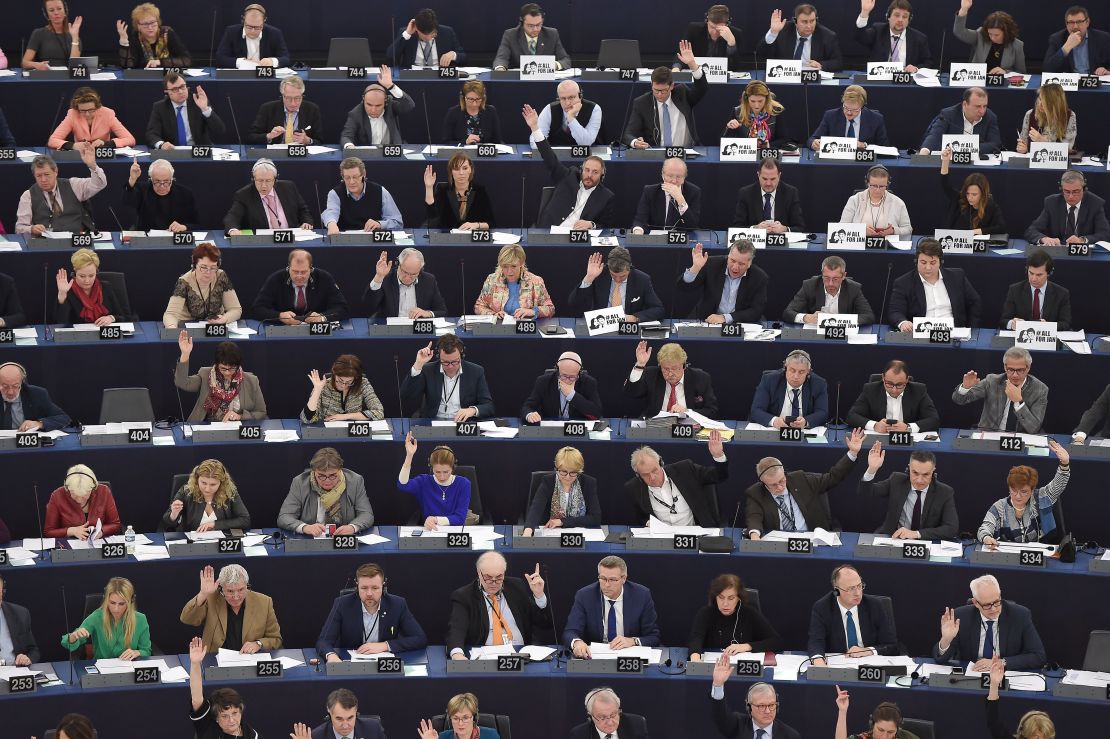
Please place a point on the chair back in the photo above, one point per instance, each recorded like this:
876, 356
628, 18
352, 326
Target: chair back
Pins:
1097, 658
125, 404
349, 52
922, 728
119, 284
545, 198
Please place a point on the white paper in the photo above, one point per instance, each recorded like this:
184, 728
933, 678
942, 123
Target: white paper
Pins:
600, 650
492, 651
372, 539
536, 653
37, 545
734, 658
787, 666
356, 657
1086, 677
587, 534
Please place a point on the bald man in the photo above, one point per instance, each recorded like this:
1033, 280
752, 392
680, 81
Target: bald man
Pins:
673, 203
566, 392
26, 407
571, 120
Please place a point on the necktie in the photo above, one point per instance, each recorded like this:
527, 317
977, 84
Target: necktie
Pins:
796, 403
427, 54
1011, 417
915, 518
798, 49
853, 638
852, 129
666, 125
1036, 304
1071, 220
302, 304
766, 206
672, 401
54, 208
501, 633
531, 46
894, 46
271, 209
290, 124
611, 621
760, 734
786, 514
988, 641
182, 136
618, 300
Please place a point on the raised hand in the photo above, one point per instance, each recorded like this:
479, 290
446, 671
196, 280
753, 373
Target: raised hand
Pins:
185, 344
175, 509
318, 381
75, 27
777, 23
381, 269
410, 444
998, 671
121, 29
686, 54
949, 626
535, 582
197, 650
429, 177
385, 76
866, 6
301, 731
134, 172
965, 5
855, 441
875, 457
643, 353
1060, 451
722, 669
698, 257
88, 156
716, 444
62, 279
424, 356
200, 97
842, 699
426, 731
594, 267
410, 29
971, 379
531, 117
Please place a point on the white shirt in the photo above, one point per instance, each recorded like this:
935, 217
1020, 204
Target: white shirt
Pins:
788, 401
893, 410
378, 129
937, 302
662, 498
969, 127
579, 203
602, 735
983, 636
208, 517
899, 55
449, 403
406, 297
855, 620
254, 53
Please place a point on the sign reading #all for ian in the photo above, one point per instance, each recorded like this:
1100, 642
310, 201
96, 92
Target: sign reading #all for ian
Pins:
739, 150
758, 236
882, 71
850, 322
838, 147
604, 320
715, 69
1035, 335
958, 142
963, 74
784, 70
537, 67
1067, 80
1048, 155
846, 236
954, 241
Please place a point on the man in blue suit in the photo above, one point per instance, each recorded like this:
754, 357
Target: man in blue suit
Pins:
369, 621
990, 627
425, 43
623, 285
853, 119
449, 388
612, 610
805, 406
1078, 48
674, 203
969, 117
252, 43
344, 721
26, 407
846, 621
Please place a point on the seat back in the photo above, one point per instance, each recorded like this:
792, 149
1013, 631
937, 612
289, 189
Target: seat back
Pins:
619, 53
497, 721
1057, 534
349, 52
124, 404
922, 728
178, 482
887, 604
753, 598
1097, 658
468, 471
545, 198
119, 284
533, 488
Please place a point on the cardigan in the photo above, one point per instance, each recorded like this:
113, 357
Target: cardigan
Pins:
63, 512
452, 502
893, 211
105, 126
252, 406
331, 403
713, 631
1001, 521
188, 304
533, 294
110, 645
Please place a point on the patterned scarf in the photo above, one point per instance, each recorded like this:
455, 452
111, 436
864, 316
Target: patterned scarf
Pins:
160, 49
221, 396
761, 127
92, 304
330, 499
576, 504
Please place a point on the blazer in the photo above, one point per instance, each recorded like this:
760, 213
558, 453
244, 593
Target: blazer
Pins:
640, 299
1013, 53
513, 45
542, 490
630, 725
870, 126
301, 504
1090, 222
811, 296
343, 627
253, 405
322, 295
469, 623
652, 211
134, 56
697, 483
357, 130
735, 725
1098, 51
18, 620
233, 46
778, 133
598, 207
770, 394
907, 298
69, 312
105, 126
259, 620
232, 516
37, 406
787, 207
762, 513
644, 120
272, 114
402, 52
248, 212
939, 519
824, 46
162, 124
951, 120
1055, 304
826, 627
751, 296
992, 222
991, 390
453, 130
698, 35
586, 620
697, 386
1098, 413
545, 399
11, 309
917, 406
533, 294
444, 210
366, 727
62, 511
876, 39
386, 300
152, 209
427, 389
1018, 640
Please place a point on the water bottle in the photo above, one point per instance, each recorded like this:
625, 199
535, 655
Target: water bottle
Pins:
129, 539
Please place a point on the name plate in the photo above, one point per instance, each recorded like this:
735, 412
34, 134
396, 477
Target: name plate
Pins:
900, 438
682, 431
423, 326
21, 683
147, 675
870, 674
574, 428
799, 545
485, 151
284, 236
915, 550
510, 662
269, 668
526, 326
113, 551
458, 540
448, 73
836, 332
264, 73
1011, 444
678, 237
1031, 558
138, 436
320, 328
105, 152
630, 665
359, 430
250, 433
467, 428
230, 545
111, 333
28, 440
392, 151
733, 330
749, 668
571, 540
628, 328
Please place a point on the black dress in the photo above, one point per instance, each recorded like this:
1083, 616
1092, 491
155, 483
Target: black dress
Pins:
992, 222
444, 210
712, 631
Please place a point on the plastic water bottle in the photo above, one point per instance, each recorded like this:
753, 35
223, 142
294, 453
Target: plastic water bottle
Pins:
129, 539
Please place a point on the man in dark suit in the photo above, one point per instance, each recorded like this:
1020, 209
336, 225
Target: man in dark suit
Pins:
769, 202
448, 388
1095, 420
620, 284
972, 113
848, 622
603, 709
11, 308
391, 625
580, 200
1072, 216
918, 505
665, 116
853, 119
680, 493
763, 708
893, 41
530, 37
404, 291
674, 203
715, 36
26, 407
612, 611
792, 396
792, 501
1002, 628
374, 121
566, 392
160, 202
909, 300
803, 38
671, 387
894, 396
267, 203
495, 609
291, 120
733, 290
1013, 400
17, 625
1036, 298
180, 113
344, 721
252, 43
829, 292
1078, 48
424, 42
300, 293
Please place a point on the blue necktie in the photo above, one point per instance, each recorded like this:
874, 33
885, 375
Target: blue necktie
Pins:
853, 639
852, 129
798, 49
766, 206
988, 641
666, 125
182, 137
796, 403
611, 622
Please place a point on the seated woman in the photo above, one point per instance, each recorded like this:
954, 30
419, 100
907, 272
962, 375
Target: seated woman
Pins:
565, 498
326, 494
1032, 725
1050, 119
75, 726
89, 123
444, 497
116, 629
343, 395
85, 298
81, 501
226, 394
883, 212
460, 202
885, 718
759, 117
511, 290
971, 208
1026, 515
204, 293
57, 41
209, 501
150, 44
729, 625
472, 122
995, 43
462, 715
221, 713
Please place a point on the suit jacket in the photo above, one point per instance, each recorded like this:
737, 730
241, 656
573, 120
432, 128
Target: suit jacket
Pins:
357, 130
387, 299
787, 207
37, 406
232, 516
18, 619
6, 136
751, 297
917, 406
272, 114
402, 52
105, 126
248, 212
542, 490
644, 120
951, 120
599, 205
652, 211
824, 46
806, 488
11, 309
322, 295
586, 620
396, 626
811, 297
735, 725
826, 627
444, 210
513, 45
939, 519
770, 394
697, 386
301, 505
640, 299
697, 34
876, 39
69, 312
453, 130
1090, 220
259, 621
1018, 640
1097, 415
546, 401
1098, 51
630, 726
250, 392
870, 126
1013, 53
991, 390
1055, 304
696, 482
233, 46
152, 209
427, 389
907, 299
469, 625
162, 125
365, 728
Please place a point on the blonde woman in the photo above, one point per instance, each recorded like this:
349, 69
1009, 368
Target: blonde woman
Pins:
511, 290
759, 117
1050, 119
84, 298
116, 629
150, 44
74, 508
208, 501
462, 716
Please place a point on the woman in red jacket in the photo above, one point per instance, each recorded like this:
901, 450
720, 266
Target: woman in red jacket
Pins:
74, 508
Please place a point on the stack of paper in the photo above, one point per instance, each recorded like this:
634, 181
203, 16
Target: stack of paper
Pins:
277, 435
1086, 677
787, 665
657, 529
1032, 682
492, 652
356, 657
734, 658
20, 557
600, 650
818, 536
872, 661
587, 534
372, 539
147, 552
936, 548
231, 658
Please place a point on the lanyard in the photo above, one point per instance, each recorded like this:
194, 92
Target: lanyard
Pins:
447, 398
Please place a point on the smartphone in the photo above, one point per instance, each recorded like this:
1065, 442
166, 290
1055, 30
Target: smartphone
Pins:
91, 669
418, 532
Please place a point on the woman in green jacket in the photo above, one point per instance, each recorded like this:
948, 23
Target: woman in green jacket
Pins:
116, 629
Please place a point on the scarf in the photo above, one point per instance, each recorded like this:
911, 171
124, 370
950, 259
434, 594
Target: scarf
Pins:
464, 200
160, 49
761, 127
220, 398
92, 304
576, 504
329, 499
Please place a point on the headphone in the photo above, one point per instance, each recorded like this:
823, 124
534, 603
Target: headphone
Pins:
571, 357
727, 21
593, 695
798, 354
254, 6
379, 86
836, 573
82, 474
261, 162
871, 716
65, 6
764, 473
17, 365
1082, 177
1049, 267
879, 169
890, 9
194, 258
445, 448
755, 688
1020, 733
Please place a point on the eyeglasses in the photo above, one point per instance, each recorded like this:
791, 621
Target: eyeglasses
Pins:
610, 717
853, 111
854, 588
895, 385
292, 98
450, 363
147, 24
568, 473
568, 378
327, 476
473, 99
167, 183
1016, 370
764, 706
989, 606
227, 368
86, 111
462, 718
609, 580
876, 186
491, 579
204, 267
178, 88
249, 27
342, 380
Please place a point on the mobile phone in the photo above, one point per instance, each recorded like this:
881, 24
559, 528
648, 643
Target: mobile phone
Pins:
417, 532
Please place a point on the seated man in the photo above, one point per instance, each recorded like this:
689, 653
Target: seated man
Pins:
817, 46
918, 505
180, 119
1072, 216
1095, 419
792, 396
621, 284
894, 402
933, 292
300, 293
893, 41
20, 648
252, 43
532, 38
1078, 47
357, 204
853, 120
848, 622
970, 117
374, 121
160, 203
611, 611
59, 204
448, 388
496, 610
763, 708
681, 493
369, 620
425, 42
580, 200
404, 291
324, 496
1013, 400
233, 616
26, 407
1001, 628
829, 292
11, 308
791, 501
665, 116
566, 392
344, 721
671, 387
675, 203
715, 36
291, 120
1036, 298
603, 706
733, 290
572, 120
267, 203
769, 203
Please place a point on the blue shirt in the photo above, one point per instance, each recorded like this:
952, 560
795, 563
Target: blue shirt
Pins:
1080, 60
799, 519
514, 298
435, 500
391, 216
728, 296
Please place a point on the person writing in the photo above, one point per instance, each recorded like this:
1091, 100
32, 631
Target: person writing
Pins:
209, 501
116, 629
204, 293
75, 509
444, 497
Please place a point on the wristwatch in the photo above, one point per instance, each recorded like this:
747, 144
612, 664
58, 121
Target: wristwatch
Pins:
258, 642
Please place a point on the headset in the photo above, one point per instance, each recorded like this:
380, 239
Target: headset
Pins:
727, 21
1072, 172
18, 366
1024, 720
885, 704
254, 6
794, 18
759, 687
571, 357
75, 473
65, 6
595, 693
890, 9
917, 253
454, 464
798, 354
836, 573
261, 162
769, 468
878, 169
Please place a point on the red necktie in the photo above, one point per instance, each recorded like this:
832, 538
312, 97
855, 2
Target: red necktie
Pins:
1036, 304
301, 304
673, 400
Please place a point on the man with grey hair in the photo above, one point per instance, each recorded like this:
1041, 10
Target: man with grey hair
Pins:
496, 610
1072, 216
267, 203
1013, 400
571, 120
606, 719
290, 120
612, 611
763, 708
733, 289
404, 291
792, 396
357, 204
829, 292
674, 203
1001, 628
59, 204
160, 203
681, 493
233, 616
619, 285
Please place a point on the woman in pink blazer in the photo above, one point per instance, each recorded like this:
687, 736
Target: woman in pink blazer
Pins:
513, 290
88, 121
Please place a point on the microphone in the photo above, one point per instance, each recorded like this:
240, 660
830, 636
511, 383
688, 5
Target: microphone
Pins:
523, 179
396, 39
805, 97
212, 45
719, 544
234, 122
116, 219
65, 615
58, 112
319, 209
886, 288
38, 513
755, 57
180, 407
554, 625
462, 286
619, 141
940, 66
397, 387
45, 301
427, 124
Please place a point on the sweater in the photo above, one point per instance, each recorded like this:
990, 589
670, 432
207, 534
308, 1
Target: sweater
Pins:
1001, 521
110, 645
452, 502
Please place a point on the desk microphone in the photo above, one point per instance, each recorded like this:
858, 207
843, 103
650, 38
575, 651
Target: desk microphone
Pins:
212, 44
462, 280
886, 289
320, 210
65, 615
559, 652
940, 65
38, 513
46, 301
180, 407
427, 123
523, 180
117, 220
234, 120
618, 142
397, 387
719, 544
58, 112
836, 415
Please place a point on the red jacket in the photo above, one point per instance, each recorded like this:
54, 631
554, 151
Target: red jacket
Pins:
62, 512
